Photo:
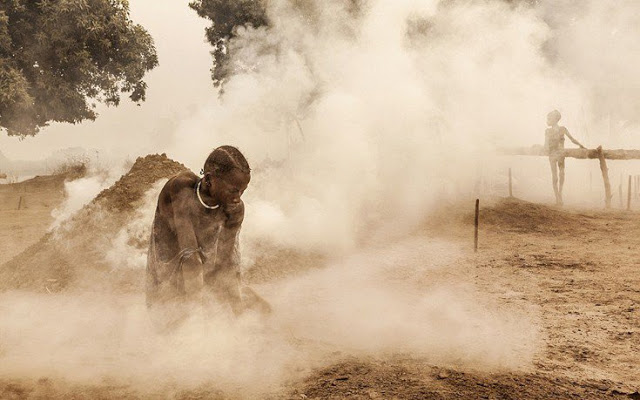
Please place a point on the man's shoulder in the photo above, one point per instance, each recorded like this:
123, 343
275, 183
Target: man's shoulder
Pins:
180, 182
185, 178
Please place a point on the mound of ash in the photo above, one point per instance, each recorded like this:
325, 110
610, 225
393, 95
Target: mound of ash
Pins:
127, 191
514, 215
76, 249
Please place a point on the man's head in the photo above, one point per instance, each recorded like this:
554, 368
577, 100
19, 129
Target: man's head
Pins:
553, 117
226, 175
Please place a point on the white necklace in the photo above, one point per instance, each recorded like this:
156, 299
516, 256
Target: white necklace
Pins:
202, 201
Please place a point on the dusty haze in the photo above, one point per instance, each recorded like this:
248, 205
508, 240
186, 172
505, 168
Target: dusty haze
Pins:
356, 127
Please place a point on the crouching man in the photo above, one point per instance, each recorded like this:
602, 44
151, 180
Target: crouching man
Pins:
193, 257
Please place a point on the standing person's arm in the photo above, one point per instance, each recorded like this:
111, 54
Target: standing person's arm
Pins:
566, 132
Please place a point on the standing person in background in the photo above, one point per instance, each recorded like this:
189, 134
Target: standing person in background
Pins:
193, 255
554, 146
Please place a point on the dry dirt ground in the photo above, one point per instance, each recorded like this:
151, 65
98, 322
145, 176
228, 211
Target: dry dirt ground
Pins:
578, 268
36, 198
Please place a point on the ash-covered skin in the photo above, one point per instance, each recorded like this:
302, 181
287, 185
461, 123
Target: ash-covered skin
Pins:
193, 255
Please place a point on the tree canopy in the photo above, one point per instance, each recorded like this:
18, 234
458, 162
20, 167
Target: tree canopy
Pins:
226, 16
59, 57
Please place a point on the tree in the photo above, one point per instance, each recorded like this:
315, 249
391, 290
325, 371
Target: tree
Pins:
59, 57
226, 16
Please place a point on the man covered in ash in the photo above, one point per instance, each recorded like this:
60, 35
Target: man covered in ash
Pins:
193, 257
554, 146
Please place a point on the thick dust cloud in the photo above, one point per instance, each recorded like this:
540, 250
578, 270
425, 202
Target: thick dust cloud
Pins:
357, 126
80, 192
362, 306
375, 115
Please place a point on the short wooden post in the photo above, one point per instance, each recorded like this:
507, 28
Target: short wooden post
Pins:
629, 194
510, 184
605, 178
475, 235
20, 203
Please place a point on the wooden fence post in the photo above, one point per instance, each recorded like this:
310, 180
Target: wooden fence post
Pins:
605, 178
475, 235
629, 195
20, 203
510, 184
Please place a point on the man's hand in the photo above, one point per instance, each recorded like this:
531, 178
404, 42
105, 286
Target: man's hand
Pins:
191, 263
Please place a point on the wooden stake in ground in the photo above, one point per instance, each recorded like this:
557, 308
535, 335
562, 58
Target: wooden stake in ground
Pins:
20, 203
475, 235
629, 194
510, 184
605, 177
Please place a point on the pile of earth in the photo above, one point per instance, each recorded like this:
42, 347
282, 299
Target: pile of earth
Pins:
515, 215
75, 250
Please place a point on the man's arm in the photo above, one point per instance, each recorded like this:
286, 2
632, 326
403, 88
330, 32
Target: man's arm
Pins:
191, 256
179, 195
566, 132
223, 277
